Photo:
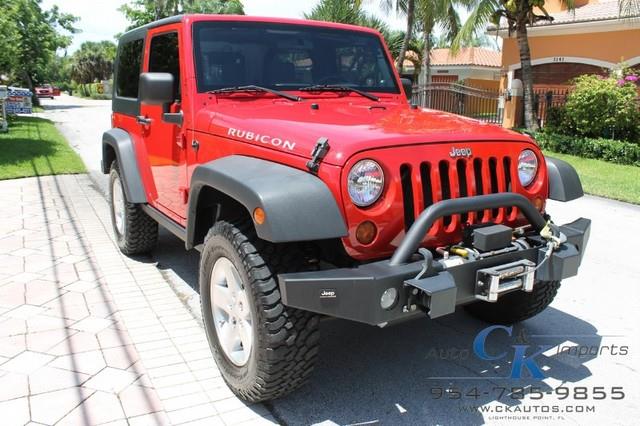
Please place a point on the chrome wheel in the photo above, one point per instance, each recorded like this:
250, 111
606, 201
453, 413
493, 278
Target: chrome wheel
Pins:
231, 312
118, 202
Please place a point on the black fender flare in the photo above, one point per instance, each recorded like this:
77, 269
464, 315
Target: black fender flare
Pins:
564, 182
120, 142
298, 205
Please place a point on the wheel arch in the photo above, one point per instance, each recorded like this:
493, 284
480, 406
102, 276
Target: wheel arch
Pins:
298, 206
564, 181
117, 145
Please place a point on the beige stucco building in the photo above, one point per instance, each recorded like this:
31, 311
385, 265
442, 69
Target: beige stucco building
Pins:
592, 39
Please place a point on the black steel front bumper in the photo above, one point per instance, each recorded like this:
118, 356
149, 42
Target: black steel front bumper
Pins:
355, 293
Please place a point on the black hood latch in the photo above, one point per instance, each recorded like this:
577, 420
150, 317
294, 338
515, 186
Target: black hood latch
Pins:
318, 153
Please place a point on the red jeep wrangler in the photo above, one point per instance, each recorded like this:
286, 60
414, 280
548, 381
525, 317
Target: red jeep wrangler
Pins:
286, 152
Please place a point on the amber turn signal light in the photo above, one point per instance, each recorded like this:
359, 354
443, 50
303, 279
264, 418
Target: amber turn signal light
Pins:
259, 216
366, 232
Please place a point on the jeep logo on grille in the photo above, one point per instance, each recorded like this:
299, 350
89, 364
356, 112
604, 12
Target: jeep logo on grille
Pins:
460, 152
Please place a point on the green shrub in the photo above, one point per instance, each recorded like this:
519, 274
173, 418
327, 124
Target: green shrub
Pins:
99, 96
604, 107
603, 149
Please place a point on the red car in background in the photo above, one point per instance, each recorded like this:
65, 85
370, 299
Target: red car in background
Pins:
45, 91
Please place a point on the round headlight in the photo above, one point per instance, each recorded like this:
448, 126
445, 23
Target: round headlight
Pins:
527, 167
365, 182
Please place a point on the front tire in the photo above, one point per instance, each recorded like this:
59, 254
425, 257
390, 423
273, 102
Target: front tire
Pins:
263, 349
135, 231
516, 306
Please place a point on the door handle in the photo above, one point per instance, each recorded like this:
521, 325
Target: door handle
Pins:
195, 145
141, 119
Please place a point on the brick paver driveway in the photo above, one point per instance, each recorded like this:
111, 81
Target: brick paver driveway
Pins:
393, 375
88, 336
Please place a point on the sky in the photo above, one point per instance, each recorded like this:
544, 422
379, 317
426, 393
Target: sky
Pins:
101, 20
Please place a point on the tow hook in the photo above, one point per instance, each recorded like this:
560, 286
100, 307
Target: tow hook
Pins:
427, 267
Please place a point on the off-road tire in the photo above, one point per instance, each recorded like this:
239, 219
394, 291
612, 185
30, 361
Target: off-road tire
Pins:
516, 306
140, 234
285, 340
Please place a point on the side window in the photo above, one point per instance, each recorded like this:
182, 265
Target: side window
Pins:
129, 67
164, 57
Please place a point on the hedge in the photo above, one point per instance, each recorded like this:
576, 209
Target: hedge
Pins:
602, 149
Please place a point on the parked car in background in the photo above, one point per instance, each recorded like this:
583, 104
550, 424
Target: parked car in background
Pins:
44, 91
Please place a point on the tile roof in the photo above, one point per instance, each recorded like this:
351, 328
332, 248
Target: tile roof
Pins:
604, 10
601, 11
476, 56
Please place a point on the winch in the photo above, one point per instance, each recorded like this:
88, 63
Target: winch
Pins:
482, 242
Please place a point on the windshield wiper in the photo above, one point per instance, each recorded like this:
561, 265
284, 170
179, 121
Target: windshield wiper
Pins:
253, 88
338, 88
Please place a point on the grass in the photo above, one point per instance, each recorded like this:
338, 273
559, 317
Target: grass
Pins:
34, 147
620, 182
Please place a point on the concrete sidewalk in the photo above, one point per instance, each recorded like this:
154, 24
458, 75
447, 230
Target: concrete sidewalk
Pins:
88, 336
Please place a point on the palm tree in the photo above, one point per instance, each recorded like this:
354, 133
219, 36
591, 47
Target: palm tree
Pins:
431, 14
342, 11
413, 54
347, 12
516, 15
407, 8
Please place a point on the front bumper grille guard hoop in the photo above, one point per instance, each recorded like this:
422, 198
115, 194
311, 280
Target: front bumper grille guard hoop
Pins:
427, 218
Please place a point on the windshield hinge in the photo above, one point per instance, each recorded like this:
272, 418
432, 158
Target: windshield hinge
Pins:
318, 153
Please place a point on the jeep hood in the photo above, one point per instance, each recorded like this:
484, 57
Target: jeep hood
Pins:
350, 126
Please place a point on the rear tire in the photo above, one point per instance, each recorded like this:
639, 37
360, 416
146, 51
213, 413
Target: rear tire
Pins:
283, 342
516, 306
135, 231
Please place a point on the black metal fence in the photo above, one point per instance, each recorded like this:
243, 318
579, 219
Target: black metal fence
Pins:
545, 98
484, 105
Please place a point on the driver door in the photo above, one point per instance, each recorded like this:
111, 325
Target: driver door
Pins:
164, 142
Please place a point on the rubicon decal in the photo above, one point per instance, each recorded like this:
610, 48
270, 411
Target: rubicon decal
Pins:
261, 138
460, 152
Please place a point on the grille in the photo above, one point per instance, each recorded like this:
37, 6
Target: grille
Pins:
426, 183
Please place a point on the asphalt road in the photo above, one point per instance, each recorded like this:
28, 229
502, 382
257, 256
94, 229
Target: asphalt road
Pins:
425, 372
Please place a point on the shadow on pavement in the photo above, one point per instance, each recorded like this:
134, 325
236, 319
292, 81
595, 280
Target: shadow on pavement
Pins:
65, 308
400, 374
54, 107
172, 255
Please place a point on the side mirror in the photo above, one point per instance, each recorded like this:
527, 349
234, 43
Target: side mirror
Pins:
408, 87
156, 88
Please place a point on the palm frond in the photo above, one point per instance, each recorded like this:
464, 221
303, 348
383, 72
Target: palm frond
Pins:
629, 8
482, 13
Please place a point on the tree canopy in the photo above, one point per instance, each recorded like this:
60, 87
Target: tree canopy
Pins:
30, 38
347, 12
93, 61
141, 12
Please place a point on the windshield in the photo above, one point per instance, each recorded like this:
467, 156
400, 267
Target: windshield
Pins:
288, 57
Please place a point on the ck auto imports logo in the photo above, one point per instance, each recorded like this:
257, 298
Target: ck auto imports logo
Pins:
523, 358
